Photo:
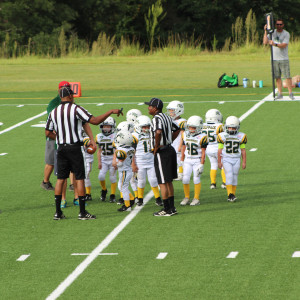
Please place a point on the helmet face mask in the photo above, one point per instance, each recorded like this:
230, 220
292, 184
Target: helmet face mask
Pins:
142, 124
232, 125
213, 115
175, 109
194, 125
104, 126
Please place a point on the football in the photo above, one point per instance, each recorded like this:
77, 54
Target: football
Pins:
91, 149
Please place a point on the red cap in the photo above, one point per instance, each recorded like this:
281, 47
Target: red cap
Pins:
63, 84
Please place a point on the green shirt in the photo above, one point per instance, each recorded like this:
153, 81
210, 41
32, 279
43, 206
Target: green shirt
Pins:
53, 104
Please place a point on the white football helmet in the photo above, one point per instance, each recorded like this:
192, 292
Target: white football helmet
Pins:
123, 138
140, 122
196, 122
232, 122
132, 115
125, 126
175, 109
213, 115
110, 122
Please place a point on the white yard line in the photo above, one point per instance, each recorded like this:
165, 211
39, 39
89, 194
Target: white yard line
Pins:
96, 252
23, 122
23, 257
232, 254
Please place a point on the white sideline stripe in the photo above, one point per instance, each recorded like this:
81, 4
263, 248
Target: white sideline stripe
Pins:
100, 104
39, 125
162, 255
221, 102
98, 254
23, 257
21, 105
232, 254
296, 254
93, 255
253, 149
2, 154
23, 122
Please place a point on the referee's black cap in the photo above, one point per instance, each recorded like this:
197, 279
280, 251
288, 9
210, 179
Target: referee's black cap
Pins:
156, 103
65, 92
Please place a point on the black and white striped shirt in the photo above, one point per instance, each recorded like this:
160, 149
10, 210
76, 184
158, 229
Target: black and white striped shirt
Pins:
67, 120
164, 123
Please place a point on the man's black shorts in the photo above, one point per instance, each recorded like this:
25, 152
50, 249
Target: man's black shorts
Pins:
70, 158
165, 163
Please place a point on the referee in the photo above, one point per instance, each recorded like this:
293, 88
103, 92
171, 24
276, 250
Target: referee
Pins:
162, 133
64, 124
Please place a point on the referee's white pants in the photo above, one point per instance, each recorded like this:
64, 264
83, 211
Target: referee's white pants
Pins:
123, 184
190, 166
112, 172
231, 167
145, 172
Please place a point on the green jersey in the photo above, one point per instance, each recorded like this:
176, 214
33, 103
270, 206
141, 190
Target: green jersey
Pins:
53, 104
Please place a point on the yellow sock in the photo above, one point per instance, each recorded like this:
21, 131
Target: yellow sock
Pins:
103, 185
213, 176
121, 195
113, 187
88, 190
233, 189
197, 191
180, 169
186, 189
140, 192
131, 196
223, 175
155, 191
135, 194
229, 189
127, 203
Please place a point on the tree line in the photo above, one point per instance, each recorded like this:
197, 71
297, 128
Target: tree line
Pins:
56, 27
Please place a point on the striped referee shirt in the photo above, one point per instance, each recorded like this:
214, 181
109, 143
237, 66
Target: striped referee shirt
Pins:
164, 123
67, 120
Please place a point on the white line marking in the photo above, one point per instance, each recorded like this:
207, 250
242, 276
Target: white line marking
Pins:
2, 154
296, 254
21, 105
23, 122
23, 257
93, 255
100, 104
253, 149
142, 103
162, 255
232, 254
221, 102
85, 254
39, 125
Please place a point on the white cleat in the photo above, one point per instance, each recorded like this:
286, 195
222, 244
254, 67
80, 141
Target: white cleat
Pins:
213, 186
195, 202
223, 185
185, 201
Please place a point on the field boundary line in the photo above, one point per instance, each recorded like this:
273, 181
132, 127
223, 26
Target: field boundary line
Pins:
23, 122
96, 252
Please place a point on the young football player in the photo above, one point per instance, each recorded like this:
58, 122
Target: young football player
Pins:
212, 127
175, 109
145, 159
124, 154
193, 155
89, 159
105, 154
231, 149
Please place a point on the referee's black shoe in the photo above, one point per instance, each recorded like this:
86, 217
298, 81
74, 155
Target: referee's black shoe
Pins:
59, 216
86, 216
158, 201
163, 213
174, 211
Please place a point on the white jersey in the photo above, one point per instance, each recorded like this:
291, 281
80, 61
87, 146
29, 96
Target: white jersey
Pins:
143, 152
212, 129
105, 143
194, 144
181, 124
125, 155
232, 144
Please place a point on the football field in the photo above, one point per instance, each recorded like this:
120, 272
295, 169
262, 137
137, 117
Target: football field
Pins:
217, 250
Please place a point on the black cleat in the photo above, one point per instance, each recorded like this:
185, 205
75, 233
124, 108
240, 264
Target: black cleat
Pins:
173, 211
158, 201
163, 213
103, 195
120, 201
231, 198
112, 198
125, 208
59, 216
86, 216
88, 197
140, 202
